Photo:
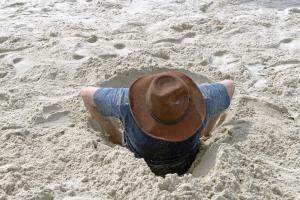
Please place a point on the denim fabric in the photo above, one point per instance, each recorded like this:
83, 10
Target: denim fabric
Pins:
162, 157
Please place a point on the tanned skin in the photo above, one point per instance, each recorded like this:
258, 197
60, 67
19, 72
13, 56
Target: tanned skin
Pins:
206, 132
108, 125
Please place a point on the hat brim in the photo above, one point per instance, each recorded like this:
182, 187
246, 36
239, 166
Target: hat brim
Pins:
176, 132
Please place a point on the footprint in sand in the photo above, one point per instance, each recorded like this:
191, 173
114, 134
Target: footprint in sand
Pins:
294, 10
290, 44
92, 39
257, 71
3, 39
7, 71
286, 41
223, 60
14, 48
176, 40
284, 65
3, 97
22, 64
51, 108
77, 56
161, 54
83, 51
3, 74
17, 60
119, 46
121, 49
189, 37
16, 4
52, 115
182, 27
2, 55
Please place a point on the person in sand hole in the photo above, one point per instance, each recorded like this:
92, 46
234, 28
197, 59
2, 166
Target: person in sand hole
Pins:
165, 117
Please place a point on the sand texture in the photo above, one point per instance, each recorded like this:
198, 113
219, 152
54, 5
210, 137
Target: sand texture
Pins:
49, 50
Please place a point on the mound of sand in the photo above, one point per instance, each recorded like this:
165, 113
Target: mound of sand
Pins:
49, 149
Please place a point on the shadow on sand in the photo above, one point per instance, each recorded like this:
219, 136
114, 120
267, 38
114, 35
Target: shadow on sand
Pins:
125, 78
205, 161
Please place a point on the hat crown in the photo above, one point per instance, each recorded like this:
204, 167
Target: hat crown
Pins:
167, 106
167, 99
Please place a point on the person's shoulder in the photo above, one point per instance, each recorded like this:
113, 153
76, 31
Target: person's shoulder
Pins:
112, 90
215, 96
209, 87
111, 101
111, 94
206, 88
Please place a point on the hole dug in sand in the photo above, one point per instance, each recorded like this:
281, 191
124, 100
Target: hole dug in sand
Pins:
125, 78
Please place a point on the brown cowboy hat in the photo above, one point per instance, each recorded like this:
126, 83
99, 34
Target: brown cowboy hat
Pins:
167, 105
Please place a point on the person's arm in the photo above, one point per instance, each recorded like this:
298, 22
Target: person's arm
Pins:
217, 99
217, 96
107, 124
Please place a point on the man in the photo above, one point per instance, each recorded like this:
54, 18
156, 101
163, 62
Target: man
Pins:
163, 116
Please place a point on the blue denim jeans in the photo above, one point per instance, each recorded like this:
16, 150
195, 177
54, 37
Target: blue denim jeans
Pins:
162, 157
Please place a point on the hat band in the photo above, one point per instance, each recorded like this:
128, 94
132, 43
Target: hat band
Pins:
167, 122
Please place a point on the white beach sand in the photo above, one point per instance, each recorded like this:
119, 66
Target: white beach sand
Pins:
49, 50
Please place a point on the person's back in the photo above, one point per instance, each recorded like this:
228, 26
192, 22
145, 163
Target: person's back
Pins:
163, 116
